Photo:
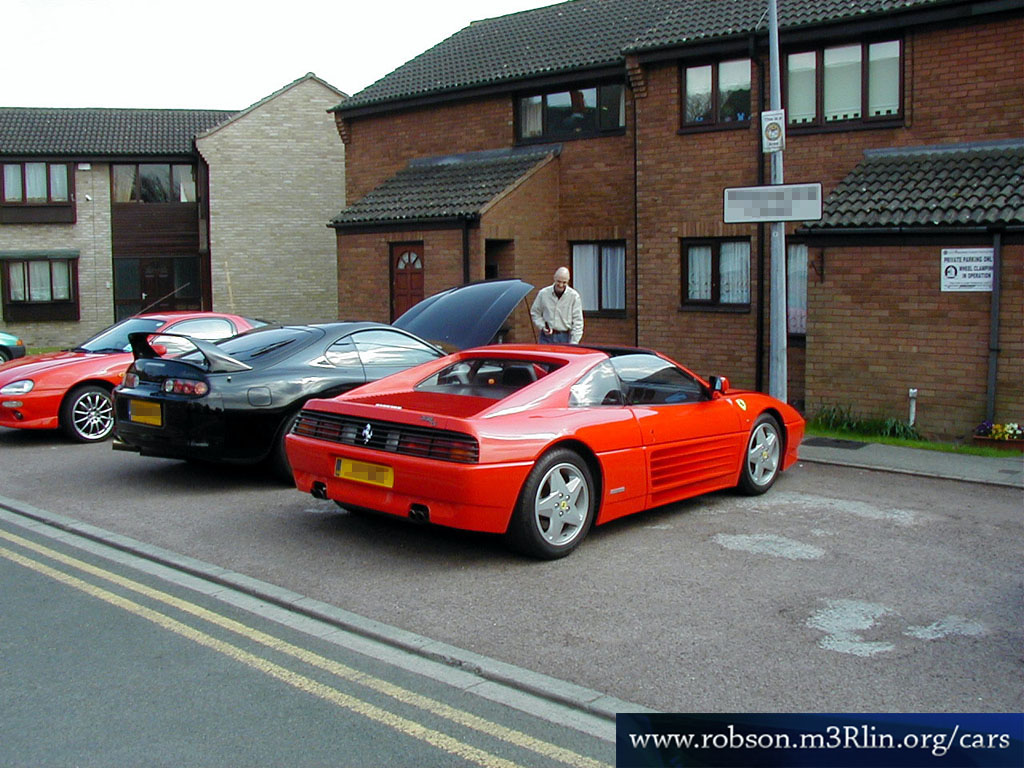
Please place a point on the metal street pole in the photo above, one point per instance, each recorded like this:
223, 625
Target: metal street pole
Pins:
777, 368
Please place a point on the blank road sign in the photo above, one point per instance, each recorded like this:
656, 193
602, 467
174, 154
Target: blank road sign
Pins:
779, 202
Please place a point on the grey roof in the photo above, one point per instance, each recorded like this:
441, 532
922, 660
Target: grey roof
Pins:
103, 132
688, 21
590, 34
444, 188
960, 185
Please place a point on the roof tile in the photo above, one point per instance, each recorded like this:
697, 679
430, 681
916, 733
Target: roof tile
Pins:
451, 186
937, 186
587, 34
103, 132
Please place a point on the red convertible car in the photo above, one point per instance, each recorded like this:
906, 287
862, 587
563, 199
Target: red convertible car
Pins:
539, 442
71, 389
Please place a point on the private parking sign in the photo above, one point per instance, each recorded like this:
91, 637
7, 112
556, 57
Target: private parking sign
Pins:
967, 269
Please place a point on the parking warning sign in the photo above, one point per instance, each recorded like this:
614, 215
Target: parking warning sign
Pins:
967, 269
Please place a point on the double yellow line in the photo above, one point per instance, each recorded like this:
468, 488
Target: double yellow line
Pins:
437, 739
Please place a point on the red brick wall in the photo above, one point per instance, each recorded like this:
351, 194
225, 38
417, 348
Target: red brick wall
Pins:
586, 194
879, 324
882, 331
680, 179
963, 84
364, 287
382, 145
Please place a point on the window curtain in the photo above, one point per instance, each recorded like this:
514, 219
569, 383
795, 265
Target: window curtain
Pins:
35, 182
884, 79
698, 278
530, 122
12, 184
734, 274
39, 281
61, 275
796, 291
842, 83
59, 183
613, 277
124, 183
801, 88
16, 280
585, 274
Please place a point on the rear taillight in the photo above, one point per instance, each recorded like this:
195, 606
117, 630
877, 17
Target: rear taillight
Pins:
186, 387
131, 380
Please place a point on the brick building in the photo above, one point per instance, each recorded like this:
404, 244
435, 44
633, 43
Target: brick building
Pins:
602, 133
106, 212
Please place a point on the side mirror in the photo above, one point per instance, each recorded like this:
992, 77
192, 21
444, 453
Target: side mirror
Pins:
719, 385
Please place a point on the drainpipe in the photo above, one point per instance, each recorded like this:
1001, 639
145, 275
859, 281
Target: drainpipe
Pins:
993, 333
465, 250
759, 342
636, 221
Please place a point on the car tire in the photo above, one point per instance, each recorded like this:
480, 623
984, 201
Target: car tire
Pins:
87, 414
4, 355
556, 506
279, 463
762, 459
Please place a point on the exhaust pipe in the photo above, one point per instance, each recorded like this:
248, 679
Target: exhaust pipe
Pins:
419, 513
120, 445
319, 491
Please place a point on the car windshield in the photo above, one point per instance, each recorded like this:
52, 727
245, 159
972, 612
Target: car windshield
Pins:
115, 338
486, 377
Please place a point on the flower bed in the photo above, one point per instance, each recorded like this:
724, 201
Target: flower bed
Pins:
1009, 436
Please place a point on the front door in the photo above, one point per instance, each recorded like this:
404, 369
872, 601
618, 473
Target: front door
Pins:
406, 277
156, 285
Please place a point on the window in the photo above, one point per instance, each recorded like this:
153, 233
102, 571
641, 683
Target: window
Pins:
599, 274
43, 280
154, 183
651, 380
42, 288
717, 94
384, 352
600, 386
796, 289
35, 184
716, 273
840, 84
573, 113
485, 377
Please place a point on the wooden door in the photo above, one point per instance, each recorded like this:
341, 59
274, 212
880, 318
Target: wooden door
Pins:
406, 277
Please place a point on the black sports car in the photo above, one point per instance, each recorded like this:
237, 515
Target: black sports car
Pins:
234, 401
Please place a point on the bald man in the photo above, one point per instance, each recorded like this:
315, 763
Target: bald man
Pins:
558, 312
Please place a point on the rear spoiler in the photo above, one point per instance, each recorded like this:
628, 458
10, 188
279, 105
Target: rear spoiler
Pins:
216, 360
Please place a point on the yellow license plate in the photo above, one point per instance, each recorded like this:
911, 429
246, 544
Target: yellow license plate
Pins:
363, 472
143, 412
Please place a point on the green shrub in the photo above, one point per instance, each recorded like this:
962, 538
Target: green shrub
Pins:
840, 418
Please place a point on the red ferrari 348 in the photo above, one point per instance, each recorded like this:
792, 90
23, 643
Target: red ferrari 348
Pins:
539, 442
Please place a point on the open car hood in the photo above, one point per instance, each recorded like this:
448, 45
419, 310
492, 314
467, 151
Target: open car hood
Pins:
466, 316
216, 360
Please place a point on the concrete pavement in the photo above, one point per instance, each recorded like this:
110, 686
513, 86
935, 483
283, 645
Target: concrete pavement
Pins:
914, 461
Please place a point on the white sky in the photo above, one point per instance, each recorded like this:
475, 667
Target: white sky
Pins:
214, 54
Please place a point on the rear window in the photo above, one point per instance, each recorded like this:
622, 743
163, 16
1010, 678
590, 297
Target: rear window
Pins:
486, 377
263, 346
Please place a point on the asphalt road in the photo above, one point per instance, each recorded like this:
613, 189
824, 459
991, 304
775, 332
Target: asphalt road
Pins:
840, 590
112, 661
